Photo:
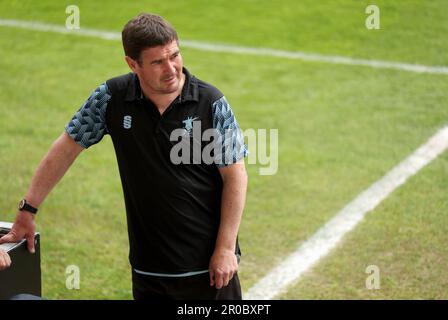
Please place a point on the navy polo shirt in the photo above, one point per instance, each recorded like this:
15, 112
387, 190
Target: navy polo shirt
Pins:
173, 209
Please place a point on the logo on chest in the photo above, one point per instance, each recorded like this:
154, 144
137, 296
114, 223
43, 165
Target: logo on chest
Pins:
127, 122
188, 125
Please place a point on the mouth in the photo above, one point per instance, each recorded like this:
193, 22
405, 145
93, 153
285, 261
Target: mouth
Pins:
170, 79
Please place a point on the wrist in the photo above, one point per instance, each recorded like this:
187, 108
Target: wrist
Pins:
25, 206
24, 216
225, 243
224, 249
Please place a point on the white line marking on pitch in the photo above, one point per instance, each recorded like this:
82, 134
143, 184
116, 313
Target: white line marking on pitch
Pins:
108, 35
327, 237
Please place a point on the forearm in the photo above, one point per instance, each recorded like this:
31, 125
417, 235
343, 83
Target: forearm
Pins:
232, 206
52, 168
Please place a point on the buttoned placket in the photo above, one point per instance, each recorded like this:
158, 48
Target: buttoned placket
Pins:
145, 103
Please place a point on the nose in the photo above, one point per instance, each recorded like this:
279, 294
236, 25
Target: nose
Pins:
170, 67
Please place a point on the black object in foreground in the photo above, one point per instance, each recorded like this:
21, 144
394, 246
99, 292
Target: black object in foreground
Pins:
24, 274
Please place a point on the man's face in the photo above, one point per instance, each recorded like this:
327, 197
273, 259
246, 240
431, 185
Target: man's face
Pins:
160, 68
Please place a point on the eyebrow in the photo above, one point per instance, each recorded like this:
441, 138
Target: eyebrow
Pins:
160, 60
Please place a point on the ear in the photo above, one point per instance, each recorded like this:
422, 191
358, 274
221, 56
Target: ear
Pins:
131, 63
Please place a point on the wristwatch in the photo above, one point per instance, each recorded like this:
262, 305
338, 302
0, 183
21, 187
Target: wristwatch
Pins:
24, 206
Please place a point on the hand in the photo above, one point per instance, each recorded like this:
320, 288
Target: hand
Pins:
223, 265
5, 260
23, 228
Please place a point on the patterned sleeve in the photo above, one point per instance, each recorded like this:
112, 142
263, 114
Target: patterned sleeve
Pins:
88, 125
230, 137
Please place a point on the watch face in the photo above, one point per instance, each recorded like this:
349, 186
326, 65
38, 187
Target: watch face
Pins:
22, 204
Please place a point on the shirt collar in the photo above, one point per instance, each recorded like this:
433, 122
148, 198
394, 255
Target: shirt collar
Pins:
190, 91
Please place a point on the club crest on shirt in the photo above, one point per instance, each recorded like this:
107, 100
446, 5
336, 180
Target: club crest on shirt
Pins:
188, 125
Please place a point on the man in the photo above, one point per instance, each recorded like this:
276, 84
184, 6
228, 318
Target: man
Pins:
183, 219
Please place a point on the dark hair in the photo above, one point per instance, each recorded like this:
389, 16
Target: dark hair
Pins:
144, 31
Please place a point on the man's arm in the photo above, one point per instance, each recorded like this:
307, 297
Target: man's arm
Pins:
223, 263
50, 170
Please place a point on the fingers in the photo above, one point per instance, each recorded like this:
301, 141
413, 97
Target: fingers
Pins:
24, 227
5, 260
220, 278
12, 237
7, 238
30, 243
223, 265
2, 262
231, 275
225, 280
212, 277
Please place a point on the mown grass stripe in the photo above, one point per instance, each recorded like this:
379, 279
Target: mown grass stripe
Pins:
224, 48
